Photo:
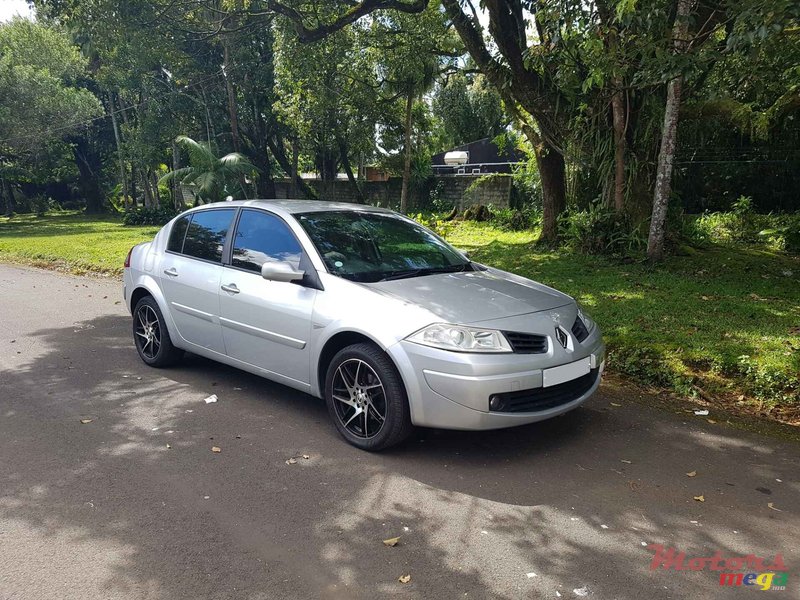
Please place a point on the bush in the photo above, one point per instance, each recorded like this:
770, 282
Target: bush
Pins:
516, 219
600, 230
743, 225
158, 215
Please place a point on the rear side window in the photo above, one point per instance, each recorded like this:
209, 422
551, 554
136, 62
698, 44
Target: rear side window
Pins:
177, 234
207, 232
262, 237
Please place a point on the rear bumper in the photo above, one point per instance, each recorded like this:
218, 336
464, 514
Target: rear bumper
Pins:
450, 390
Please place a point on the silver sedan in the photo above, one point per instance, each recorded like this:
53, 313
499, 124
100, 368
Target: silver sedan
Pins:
365, 308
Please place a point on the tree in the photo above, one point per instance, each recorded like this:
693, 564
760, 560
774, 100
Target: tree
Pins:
210, 178
655, 243
40, 100
468, 110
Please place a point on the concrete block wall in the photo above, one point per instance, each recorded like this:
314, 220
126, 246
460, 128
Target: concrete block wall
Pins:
495, 190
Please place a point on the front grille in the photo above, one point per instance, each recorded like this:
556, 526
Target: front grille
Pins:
539, 399
526, 343
579, 329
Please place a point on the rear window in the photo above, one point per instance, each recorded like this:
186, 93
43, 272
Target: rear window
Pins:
205, 237
177, 234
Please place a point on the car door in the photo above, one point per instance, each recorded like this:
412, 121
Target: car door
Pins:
266, 323
190, 275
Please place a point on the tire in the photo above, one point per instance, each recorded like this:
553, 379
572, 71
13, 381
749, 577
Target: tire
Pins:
361, 383
150, 335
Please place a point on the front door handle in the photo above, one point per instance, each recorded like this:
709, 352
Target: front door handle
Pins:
172, 272
230, 288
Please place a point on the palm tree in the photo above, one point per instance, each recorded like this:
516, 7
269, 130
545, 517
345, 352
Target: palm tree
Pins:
211, 179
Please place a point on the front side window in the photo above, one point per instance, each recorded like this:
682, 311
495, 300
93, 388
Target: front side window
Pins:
205, 237
369, 247
262, 237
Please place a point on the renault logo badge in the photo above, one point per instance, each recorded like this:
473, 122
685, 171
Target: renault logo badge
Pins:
561, 336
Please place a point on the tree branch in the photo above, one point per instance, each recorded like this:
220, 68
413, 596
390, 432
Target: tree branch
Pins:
352, 15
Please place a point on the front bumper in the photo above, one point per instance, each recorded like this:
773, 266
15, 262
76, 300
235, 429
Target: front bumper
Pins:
451, 390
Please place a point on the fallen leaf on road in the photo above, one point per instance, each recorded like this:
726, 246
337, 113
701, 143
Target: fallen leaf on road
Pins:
86, 421
615, 404
691, 473
291, 461
216, 449
700, 498
701, 413
391, 542
772, 506
211, 398
584, 591
712, 421
404, 578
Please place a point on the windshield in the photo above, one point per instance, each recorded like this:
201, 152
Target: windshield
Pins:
370, 247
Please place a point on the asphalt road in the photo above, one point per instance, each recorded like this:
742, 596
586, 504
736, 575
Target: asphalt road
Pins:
135, 504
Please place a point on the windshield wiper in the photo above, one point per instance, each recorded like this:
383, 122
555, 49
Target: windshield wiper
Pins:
392, 275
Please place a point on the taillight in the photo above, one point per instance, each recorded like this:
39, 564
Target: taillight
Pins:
128, 258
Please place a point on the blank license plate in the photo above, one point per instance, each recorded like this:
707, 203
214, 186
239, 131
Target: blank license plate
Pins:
565, 373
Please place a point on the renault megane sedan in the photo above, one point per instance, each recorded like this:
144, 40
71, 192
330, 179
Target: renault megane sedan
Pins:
365, 308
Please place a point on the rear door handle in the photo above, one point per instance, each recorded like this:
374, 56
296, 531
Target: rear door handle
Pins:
231, 288
172, 272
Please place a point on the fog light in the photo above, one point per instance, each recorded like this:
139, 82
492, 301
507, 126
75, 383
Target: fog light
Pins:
495, 402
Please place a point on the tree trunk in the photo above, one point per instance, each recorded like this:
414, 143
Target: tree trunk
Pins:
349, 169
123, 172
148, 196
154, 183
177, 198
276, 146
618, 117
232, 111
669, 135
90, 189
295, 160
8, 194
552, 173
407, 159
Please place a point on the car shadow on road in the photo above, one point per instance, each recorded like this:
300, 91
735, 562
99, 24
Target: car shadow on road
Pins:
133, 502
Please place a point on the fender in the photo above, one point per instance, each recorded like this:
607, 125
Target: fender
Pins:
149, 283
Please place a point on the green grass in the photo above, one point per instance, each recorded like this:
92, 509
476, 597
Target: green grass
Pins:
723, 323
71, 241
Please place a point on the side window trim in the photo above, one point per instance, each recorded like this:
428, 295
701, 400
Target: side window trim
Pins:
311, 279
281, 220
185, 231
228, 237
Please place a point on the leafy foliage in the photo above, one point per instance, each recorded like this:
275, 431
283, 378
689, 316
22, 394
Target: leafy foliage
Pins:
209, 178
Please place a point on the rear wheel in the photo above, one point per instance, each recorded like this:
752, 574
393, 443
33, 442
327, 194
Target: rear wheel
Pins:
366, 398
151, 336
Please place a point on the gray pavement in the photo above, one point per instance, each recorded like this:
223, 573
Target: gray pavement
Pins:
134, 504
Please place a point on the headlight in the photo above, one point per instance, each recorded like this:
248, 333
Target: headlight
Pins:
460, 338
587, 320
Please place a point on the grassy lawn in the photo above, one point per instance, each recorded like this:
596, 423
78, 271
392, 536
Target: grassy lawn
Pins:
721, 324
70, 241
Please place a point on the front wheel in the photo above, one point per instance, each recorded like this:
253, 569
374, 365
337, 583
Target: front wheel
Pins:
366, 398
151, 336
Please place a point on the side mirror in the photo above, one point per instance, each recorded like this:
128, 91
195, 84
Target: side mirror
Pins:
464, 252
280, 270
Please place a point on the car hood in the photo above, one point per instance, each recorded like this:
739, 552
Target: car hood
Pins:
473, 296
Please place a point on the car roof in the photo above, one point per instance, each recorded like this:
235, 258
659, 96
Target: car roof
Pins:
300, 206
